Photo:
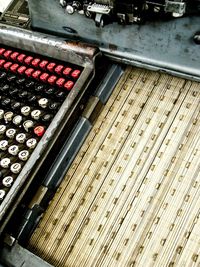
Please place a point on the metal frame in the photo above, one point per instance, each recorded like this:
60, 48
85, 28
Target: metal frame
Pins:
60, 49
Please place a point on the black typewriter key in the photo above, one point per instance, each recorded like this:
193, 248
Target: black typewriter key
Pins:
13, 150
39, 88
50, 91
23, 94
32, 99
5, 163
23, 155
60, 95
43, 102
4, 145
2, 129
3, 75
31, 143
11, 78
30, 84
47, 118
8, 116
25, 110
1, 113
21, 138
5, 102
54, 106
4, 89
16, 167
17, 120
13, 92
7, 181
15, 105
10, 133
21, 81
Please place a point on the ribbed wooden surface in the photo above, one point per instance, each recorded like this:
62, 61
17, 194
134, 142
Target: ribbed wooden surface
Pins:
132, 195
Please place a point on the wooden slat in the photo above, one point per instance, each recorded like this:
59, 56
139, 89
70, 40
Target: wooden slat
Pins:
131, 195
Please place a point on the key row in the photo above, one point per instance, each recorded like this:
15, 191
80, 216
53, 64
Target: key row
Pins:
37, 74
39, 63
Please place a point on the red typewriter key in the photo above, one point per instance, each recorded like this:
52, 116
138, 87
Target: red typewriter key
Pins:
14, 67
43, 64
7, 53
21, 58
35, 62
2, 62
67, 71
51, 66
39, 130
29, 72
36, 74
60, 82
68, 85
28, 60
44, 77
21, 70
2, 50
14, 55
7, 65
59, 69
75, 74
52, 79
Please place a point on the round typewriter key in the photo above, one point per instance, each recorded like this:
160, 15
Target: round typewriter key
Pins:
52, 79
7, 65
16, 167
28, 60
5, 163
54, 106
7, 181
5, 89
23, 155
39, 131
8, 116
15, 105
36, 74
7, 53
31, 143
11, 78
68, 85
14, 55
30, 84
2, 194
25, 110
32, 99
2, 50
59, 69
28, 124
21, 57
60, 94
2, 62
67, 71
60, 82
10, 133
51, 66
2, 74
43, 102
21, 70
21, 138
43, 64
3, 144
5, 102
39, 88
13, 150
1, 113
75, 74
21, 81
2, 129
36, 114
17, 119
35, 62
23, 94
50, 91
14, 67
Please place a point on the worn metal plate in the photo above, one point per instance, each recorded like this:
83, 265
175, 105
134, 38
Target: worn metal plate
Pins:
164, 45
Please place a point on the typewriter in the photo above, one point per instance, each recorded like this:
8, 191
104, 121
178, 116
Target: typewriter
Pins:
57, 71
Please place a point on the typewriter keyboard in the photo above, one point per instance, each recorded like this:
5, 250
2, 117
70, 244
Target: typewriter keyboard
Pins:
32, 89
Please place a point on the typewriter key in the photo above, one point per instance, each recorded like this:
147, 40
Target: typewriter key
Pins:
21, 138
25, 110
31, 143
16, 167
13, 150
10, 133
7, 181
3, 145
2, 194
5, 163
23, 155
